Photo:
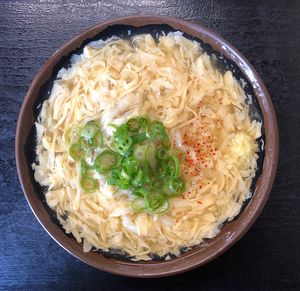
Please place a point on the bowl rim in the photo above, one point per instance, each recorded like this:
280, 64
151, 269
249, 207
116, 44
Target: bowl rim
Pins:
200, 255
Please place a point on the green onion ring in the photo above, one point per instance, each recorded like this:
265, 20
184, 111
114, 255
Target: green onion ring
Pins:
133, 124
90, 130
88, 184
154, 200
105, 161
161, 153
176, 186
138, 204
76, 151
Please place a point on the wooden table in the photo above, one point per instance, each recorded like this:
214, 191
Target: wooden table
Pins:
267, 32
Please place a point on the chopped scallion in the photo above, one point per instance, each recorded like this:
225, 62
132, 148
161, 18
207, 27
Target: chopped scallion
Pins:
90, 130
105, 161
76, 151
88, 184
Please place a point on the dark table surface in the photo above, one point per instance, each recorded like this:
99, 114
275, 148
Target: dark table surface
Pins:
267, 32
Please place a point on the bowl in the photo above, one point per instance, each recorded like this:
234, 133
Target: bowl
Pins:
229, 58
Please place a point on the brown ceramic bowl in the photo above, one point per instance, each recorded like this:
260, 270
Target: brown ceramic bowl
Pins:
230, 58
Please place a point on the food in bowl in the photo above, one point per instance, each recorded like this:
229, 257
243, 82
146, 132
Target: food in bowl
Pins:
145, 146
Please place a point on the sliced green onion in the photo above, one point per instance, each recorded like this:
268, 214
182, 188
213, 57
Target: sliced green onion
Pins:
88, 184
161, 153
130, 165
105, 161
86, 144
143, 121
90, 130
123, 184
85, 168
138, 138
157, 184
123, 146
176, 185
97, 140
154, 200
147, 173
138, 204
114, 177
124, 175
133, 124
117, 180
165, 141
160, 170
143, 167
171, 167
138, 179
139, 192
72, 135
121, 133
164, 208
155, 129
76, 151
